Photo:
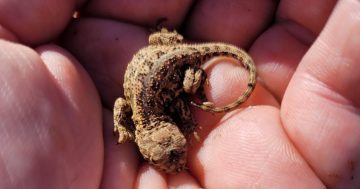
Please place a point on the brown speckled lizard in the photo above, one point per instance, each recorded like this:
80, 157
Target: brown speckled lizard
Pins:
155, 112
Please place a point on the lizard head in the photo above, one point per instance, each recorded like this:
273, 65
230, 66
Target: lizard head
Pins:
165, 37
164, 146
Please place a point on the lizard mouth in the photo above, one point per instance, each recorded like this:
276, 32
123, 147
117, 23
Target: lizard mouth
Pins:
177, 158
165, 147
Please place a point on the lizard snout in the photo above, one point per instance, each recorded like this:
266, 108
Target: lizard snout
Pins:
165, 147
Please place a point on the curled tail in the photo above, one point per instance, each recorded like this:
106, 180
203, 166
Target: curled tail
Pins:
209, 50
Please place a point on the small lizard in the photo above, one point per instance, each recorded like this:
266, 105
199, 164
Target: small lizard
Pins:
154, 112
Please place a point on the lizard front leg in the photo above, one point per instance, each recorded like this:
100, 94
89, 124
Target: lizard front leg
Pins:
123, 125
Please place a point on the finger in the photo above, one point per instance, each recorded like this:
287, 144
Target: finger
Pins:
227, 81
182, 180
278, 51
320, 108
277, 54
247, 149
299, 12
35, 21
105, 47
50, 120
237, 22
150, 178
6, 34
229, 144
121, 161
150, 13
84, 126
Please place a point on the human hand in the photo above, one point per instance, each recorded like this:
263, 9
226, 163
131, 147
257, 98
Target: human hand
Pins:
301, 130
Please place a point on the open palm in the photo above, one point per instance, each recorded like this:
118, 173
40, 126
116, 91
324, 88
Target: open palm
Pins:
299, 129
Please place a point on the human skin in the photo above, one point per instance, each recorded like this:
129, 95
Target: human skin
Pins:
299, 129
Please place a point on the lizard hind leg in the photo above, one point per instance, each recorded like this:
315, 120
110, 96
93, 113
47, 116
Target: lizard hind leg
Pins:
165, 37
123, 125
194, 82
194, 78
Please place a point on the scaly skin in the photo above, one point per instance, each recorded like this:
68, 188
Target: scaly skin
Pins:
159, 75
